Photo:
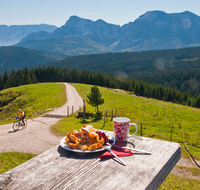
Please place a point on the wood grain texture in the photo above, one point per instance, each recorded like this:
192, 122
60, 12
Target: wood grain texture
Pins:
58, 168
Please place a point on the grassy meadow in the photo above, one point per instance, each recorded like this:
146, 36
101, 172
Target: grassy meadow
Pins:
174, 182
9, 160
156, 116
34, 99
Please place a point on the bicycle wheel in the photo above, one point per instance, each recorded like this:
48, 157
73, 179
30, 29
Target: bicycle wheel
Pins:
24, 125
15, 126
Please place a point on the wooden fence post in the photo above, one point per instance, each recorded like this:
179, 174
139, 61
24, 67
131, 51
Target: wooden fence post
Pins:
112, 115
171, 133
83, 109
67, 110
72, 110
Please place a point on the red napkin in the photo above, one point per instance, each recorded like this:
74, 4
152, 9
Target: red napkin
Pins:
118, 151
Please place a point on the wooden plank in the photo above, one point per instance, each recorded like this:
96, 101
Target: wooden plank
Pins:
61, 169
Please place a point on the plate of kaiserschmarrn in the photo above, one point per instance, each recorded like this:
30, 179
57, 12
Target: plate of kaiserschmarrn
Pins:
86, 140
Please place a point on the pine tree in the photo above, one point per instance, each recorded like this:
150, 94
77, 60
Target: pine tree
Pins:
6, 82
32, 77
26, 77
131, 88
141, 89
1, 82
198, 102
137, 88
94, 97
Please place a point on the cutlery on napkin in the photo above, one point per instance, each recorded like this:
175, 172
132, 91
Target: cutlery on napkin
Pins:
120, 152
134, 149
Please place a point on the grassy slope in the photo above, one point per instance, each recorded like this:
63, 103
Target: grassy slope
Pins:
156, 117
33, 99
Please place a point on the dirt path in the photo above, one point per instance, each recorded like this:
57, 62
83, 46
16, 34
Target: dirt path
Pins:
182, 169
36, 138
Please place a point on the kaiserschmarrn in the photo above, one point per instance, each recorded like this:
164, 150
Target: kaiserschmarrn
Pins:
87, 138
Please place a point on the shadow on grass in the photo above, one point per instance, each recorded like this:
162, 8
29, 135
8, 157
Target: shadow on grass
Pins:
87, 122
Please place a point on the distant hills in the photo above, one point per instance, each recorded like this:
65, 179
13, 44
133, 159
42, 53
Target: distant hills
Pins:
153, 30
10, 35
19, 58
134, 64
176, 68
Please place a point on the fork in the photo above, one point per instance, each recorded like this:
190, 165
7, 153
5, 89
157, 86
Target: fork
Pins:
108, 148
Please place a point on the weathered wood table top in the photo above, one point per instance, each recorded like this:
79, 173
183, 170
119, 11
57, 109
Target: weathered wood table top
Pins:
58, 168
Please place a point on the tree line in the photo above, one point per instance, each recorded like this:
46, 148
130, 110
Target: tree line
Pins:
175, 68
184, 80
138, 87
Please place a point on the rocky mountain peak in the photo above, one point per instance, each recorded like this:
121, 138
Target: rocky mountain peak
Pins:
152, 15
152, 30
77, 21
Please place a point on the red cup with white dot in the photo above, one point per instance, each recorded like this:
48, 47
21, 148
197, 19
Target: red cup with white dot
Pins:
121, 127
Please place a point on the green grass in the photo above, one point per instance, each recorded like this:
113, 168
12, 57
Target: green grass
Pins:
193, 170
9, 160
34, 99
174, 182
156, 117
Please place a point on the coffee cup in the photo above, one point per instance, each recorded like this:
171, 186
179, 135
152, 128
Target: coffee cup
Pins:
121, 127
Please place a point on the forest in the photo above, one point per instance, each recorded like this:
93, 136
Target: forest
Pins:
175, 68
138, 87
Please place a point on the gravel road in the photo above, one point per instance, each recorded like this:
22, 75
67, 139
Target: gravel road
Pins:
37, 138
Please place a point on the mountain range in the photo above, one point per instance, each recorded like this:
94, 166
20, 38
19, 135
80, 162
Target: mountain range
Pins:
10, 35
153, 30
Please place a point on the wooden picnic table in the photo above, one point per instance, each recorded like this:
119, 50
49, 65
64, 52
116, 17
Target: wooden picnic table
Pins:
58, 168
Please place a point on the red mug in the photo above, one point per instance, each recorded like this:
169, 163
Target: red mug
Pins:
121, 127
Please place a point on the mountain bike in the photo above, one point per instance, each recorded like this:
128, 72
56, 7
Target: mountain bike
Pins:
19, 123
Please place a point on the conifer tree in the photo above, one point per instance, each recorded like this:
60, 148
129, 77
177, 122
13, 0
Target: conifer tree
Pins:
6, 81
1, 82
198, 102
94, 97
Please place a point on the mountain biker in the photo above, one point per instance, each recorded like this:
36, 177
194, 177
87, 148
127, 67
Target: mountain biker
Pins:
21, 115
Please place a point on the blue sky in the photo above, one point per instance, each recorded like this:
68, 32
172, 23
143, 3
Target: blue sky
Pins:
57, 12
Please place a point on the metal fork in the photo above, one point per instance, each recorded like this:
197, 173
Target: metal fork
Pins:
108, 148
